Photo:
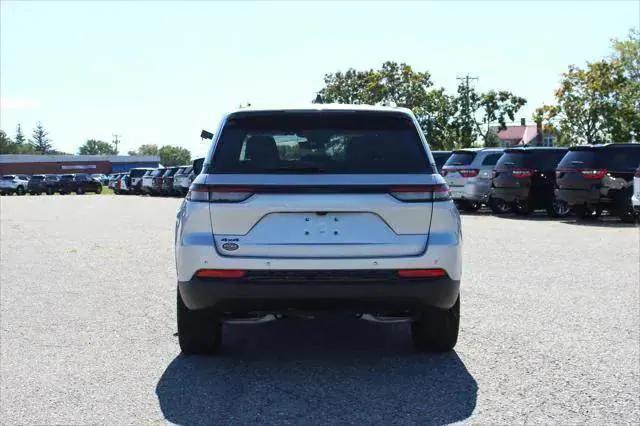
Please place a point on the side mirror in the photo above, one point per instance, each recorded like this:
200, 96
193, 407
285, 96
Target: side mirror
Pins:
206, 135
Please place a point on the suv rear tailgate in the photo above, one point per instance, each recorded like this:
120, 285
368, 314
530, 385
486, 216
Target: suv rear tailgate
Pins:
327, 220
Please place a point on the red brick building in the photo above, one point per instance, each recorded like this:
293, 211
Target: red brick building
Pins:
60, 164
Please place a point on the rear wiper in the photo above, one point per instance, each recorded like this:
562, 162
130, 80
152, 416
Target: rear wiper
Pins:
300, 169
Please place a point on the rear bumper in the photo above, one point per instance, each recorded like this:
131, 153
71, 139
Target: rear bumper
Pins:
380, 296
578, 197
475, 190
510, 195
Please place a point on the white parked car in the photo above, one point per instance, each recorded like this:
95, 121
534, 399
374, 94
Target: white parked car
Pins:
182, 180
14, 184
468, 173
635, 198
334, 207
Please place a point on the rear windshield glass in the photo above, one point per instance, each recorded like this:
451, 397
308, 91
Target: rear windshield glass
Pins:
513, 159
66, 177
170, 172
187, 170
491, 159
8, 177
461, 158
81, 178
440, 158
197, 165
578, 159
621, 159
37, 177
52, 177
324, 142
137, 172
159, 172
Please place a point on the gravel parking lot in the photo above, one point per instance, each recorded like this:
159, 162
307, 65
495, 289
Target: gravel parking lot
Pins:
550, 331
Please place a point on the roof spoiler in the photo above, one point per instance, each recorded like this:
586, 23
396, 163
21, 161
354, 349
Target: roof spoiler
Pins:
206, 134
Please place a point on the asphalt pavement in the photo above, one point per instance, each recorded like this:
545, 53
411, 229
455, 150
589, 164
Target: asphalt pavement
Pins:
550, 331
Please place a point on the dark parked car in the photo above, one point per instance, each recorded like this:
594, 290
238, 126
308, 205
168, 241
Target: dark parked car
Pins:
525, 179
167, 180
156, 181
37, 185
440, 157
52, 184
79, 183
599, 177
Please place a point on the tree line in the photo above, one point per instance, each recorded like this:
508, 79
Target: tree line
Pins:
41, 143
596, 104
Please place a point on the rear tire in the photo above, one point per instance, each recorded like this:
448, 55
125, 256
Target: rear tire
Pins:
199, 332
585, 212
99, 190
49, 191
436, 330
499, 206
20, 190
522, 208
468, 206
80, 191
558, 208
626, 214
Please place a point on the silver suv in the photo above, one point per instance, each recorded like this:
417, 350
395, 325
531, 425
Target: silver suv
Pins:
468, 174
320, 209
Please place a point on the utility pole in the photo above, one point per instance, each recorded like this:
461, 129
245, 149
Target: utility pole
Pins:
116, 141
467, 127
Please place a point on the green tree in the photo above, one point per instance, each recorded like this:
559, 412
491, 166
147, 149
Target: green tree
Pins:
174, 155
625, 123
7, 146
97, 147
20, 139
40, 141
480, 115
146, 149
396, 85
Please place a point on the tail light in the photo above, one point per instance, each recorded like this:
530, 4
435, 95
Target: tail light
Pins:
469, 172
637, 172
219, 194
444, 172
522, 173
493, 174
593, 174
420, 193
421, 273
220, 273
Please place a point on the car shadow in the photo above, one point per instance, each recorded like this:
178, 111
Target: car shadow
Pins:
606, 221
323, 371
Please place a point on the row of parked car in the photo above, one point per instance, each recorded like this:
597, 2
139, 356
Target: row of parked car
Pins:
585, 180
165, 181
79, 183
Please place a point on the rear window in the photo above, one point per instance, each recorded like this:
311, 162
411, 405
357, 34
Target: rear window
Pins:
491, 159
461, 158
170, 172
578, 159
37, 177
187, 170
197, 165
621, 159
514, 159
325, 142
66, 177
440, 158
8, 177
134, 173
158, 173
52, 178
81, 178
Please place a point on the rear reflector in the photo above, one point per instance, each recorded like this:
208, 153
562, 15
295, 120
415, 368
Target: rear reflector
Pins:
220, 273
421, 273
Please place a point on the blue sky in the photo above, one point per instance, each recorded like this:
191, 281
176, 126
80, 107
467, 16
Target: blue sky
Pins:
159, 72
